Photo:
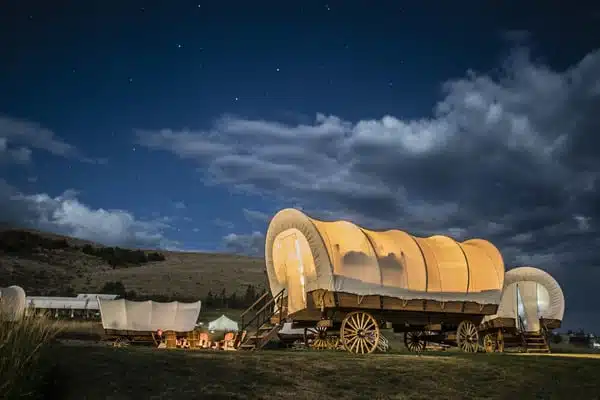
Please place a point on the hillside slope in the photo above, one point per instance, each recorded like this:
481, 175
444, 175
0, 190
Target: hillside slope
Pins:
48, 264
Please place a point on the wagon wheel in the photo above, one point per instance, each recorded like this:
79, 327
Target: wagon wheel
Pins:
333, 342
360, 333
121, 342
321, 341
415, 341
489, 343
467, 337
500, 341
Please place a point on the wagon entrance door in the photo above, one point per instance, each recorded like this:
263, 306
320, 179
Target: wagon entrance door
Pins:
521, 314
295, 273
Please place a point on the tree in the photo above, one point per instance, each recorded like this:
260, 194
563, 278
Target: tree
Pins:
556, 338
114, 288
249, 296
210, 299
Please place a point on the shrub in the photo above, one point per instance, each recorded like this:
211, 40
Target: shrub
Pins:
22, 346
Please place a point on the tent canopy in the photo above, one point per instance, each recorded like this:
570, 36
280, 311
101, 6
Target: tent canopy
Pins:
224, 324
12, 303
531, 294
148, 316
304, 254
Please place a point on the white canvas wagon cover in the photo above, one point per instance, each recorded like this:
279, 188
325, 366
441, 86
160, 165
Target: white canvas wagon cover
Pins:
148, 316
304, 254
530, 293
12, 303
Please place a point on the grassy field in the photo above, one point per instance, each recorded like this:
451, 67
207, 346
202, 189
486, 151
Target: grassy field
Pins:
144, 373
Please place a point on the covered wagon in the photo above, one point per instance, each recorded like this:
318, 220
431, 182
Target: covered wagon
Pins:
149, 322
12, 303
532, 305
350, 281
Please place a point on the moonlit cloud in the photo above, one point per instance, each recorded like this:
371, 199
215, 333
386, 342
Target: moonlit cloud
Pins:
65, 214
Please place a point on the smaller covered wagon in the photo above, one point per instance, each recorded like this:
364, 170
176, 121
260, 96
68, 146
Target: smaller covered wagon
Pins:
532, 306
149, 322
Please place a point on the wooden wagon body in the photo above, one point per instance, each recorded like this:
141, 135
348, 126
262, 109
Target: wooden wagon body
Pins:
347, 282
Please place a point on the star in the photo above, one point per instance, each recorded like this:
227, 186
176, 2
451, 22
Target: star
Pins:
390, 83
327, 7
277, 69
237, 98
179, 46
130, 80
133, 149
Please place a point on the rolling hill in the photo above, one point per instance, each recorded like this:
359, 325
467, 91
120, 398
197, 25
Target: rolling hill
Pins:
49, 264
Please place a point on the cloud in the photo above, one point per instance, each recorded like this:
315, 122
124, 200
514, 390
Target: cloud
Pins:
250, 244
512, 156
10, 154
223, 223
17, 131
179, 205
66, 215
255, 216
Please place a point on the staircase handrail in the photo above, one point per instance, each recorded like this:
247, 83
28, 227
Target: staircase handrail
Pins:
265, 294
259, 322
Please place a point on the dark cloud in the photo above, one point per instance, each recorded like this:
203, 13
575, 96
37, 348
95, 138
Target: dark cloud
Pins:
512, 156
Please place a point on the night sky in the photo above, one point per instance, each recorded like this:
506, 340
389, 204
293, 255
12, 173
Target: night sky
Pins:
186, 125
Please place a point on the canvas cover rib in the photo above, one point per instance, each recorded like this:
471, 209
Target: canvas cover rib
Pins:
340, 256
541, 297
147, 316
12, 303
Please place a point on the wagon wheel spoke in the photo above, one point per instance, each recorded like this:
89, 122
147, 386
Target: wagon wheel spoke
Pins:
359, 333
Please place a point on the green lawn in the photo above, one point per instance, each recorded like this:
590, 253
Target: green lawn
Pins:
95, 372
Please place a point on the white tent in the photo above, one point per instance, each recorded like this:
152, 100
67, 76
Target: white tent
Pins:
148, 316
223, 323
12, 303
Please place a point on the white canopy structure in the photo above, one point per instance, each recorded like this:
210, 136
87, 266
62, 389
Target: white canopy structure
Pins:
12, 303
62, 303
148, 316
531, 294
223, 324
97, 296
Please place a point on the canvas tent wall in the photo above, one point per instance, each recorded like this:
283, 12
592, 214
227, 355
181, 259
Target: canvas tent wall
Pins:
304, 254
223, 324
12, 303
531, 294
148, 316
62, 303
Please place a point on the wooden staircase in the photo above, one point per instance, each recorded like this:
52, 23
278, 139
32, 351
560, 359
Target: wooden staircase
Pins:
535, 342
261, 322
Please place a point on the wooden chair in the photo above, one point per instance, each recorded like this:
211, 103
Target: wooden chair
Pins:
203, 340
228, 341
